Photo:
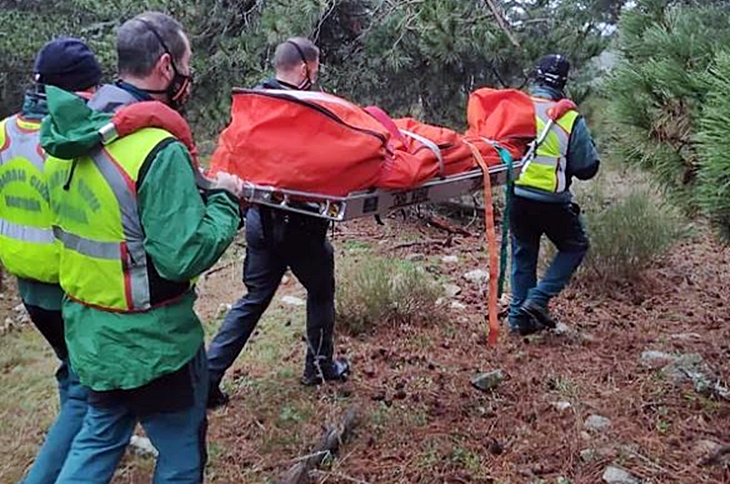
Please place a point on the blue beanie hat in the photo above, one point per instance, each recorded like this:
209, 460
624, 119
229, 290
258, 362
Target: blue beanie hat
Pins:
67, 63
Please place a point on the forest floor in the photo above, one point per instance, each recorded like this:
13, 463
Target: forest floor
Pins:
420, 419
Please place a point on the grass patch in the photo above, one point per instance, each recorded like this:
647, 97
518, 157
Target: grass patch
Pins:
376, 290
28, 401
355, 245
468, 460
565, 387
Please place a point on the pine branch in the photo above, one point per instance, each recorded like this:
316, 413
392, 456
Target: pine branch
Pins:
502, 22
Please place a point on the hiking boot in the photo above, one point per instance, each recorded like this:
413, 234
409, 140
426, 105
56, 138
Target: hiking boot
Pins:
217, 397
524, 325
539, 313
337, 370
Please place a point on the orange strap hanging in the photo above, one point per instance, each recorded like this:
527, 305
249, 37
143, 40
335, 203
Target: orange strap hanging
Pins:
491, 236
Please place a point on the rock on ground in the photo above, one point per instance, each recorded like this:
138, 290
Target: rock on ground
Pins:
616, 475
477, 276
597, 423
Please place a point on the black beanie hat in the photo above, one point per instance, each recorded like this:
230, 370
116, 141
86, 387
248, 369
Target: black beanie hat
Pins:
67, 63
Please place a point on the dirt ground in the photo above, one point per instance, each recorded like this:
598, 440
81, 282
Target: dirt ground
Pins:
420, 419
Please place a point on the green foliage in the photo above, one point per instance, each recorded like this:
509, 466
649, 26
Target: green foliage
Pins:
659, 90
628, 231
423, 58
713, 193
417, 58
377, 291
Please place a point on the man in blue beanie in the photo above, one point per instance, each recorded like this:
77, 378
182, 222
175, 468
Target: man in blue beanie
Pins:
67, 63
27, 247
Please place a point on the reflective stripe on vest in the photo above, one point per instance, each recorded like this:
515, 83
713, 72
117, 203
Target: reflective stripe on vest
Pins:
547, 169
137, 280
103, 259
25, 233
22, 142
88, 247
27, 245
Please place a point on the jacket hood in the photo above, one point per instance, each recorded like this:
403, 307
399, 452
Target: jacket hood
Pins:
71, 128
34, 106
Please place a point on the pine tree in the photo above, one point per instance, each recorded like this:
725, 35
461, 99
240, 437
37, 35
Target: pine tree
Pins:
659, 89
713, 193
413, 58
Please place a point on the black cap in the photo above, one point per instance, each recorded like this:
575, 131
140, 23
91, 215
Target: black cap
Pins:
67, 63
552, 71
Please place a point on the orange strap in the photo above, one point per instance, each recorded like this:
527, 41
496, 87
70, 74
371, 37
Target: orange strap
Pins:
491, 236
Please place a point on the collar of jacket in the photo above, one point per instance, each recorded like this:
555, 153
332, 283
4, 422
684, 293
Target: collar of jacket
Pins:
547, 92
34, 106
134, 91
274, 83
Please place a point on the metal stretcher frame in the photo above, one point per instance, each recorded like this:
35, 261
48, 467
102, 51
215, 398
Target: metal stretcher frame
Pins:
376, 201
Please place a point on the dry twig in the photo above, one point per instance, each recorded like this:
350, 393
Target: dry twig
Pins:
329, 444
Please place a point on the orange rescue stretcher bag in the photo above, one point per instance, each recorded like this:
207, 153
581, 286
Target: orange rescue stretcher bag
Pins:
302, 140
320, 143
506, 116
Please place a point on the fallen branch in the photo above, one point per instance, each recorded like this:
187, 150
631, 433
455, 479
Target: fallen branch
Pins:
328, 445
326, 475
446, 242
220, 268
652, 463
443, 224
462, 208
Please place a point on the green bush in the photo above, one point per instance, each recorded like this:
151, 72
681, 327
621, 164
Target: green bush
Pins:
629, 225
628, 233
376, 291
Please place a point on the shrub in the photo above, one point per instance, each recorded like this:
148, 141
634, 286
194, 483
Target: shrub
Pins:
376, 291
659, 91
629, 233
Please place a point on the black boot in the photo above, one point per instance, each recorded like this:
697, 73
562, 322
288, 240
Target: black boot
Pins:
525, 325
539, 313
337, 370
216, 396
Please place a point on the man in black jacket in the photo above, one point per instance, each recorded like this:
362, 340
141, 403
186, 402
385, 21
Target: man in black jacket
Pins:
275, 241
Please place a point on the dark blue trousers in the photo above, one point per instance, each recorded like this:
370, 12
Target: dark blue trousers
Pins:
561, 224
73, 398
275, 242
172, 412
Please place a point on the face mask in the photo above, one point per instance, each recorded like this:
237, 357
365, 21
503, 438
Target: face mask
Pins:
178, 91
306, 83
179, 88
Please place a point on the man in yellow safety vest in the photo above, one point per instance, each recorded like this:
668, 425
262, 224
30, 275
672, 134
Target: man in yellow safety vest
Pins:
542, 203
27, 246
134, 233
